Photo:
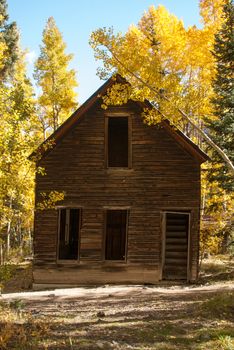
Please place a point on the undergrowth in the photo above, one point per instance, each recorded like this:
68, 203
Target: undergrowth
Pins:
18, 330
219, 305
7, 271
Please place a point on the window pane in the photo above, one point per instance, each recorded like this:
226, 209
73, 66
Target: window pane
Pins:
69, 234
116, 221
118, 142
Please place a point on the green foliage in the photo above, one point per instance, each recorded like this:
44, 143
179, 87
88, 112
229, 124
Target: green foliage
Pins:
218, 183
222, 127
225, 342
219, 305
17, 304
9, 39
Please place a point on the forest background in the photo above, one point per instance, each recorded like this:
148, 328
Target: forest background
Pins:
187, 74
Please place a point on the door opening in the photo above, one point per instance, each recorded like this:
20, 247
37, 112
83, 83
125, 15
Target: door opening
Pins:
175, 246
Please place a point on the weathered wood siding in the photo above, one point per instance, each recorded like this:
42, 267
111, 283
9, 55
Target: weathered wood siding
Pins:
163, 177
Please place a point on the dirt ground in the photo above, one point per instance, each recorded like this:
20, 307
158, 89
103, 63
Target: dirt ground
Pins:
126, 317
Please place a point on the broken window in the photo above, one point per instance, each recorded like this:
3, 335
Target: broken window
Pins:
118, 145
69, 232
116, 234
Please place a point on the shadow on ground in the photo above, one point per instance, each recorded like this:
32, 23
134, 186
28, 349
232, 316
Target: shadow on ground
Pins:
137, 318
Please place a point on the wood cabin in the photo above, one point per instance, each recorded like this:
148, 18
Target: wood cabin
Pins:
131, 209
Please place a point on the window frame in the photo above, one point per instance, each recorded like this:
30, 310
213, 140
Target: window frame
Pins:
116, 115
68, 261
123, 261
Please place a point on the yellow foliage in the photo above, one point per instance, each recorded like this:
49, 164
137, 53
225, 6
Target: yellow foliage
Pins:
3, 49
17, 139
161, 53
117, 95
151, 117
211, 12
57, 82
172, 66
217, 213
50, 199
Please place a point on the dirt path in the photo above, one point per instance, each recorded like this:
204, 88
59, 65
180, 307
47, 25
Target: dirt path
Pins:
111, 290
131, 317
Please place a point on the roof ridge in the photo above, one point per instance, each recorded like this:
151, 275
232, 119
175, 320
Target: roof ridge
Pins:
47, 145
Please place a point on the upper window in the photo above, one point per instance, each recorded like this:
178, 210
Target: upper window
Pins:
69, 233
118, 142
116, 234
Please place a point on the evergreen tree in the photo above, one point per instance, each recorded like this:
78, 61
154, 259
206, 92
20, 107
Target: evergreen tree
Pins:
9, 42
222, 127
54, 77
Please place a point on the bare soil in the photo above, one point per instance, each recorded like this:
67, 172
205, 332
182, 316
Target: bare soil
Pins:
129, 317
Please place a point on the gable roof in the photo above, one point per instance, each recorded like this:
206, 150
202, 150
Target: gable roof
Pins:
58, 134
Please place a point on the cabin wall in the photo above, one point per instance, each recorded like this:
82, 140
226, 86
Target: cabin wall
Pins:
163, 177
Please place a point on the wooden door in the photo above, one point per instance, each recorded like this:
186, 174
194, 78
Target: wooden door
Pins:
116, 232
175, 246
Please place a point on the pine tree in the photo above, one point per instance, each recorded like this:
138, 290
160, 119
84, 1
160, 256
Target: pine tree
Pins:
9, 42
56, 80
222, 127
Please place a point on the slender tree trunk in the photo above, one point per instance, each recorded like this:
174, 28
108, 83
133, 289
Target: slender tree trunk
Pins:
43, 125
30, 242
8, 239
203, 203
44, 131
1, 254
8, 235
21, 241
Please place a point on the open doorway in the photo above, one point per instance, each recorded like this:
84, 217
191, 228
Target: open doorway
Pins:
175, 246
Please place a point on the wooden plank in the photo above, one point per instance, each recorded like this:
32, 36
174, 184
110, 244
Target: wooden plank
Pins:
162, 177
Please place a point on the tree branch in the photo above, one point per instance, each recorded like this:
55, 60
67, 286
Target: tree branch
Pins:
182, 113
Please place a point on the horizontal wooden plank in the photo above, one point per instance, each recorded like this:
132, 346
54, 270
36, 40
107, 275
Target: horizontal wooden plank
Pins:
163, 176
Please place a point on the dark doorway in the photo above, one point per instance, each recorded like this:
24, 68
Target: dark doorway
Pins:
116, 234
69, 227
175, 246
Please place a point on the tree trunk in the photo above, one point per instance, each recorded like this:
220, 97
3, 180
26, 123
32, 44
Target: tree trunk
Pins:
1, 254
8, 239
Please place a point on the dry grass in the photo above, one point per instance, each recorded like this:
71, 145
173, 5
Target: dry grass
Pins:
17, 329
139, 318
218, 264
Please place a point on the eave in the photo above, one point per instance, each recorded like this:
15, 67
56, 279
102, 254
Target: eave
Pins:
56, 137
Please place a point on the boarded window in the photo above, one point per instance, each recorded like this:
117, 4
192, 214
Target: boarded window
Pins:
118, 142
116, 232
69, 232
